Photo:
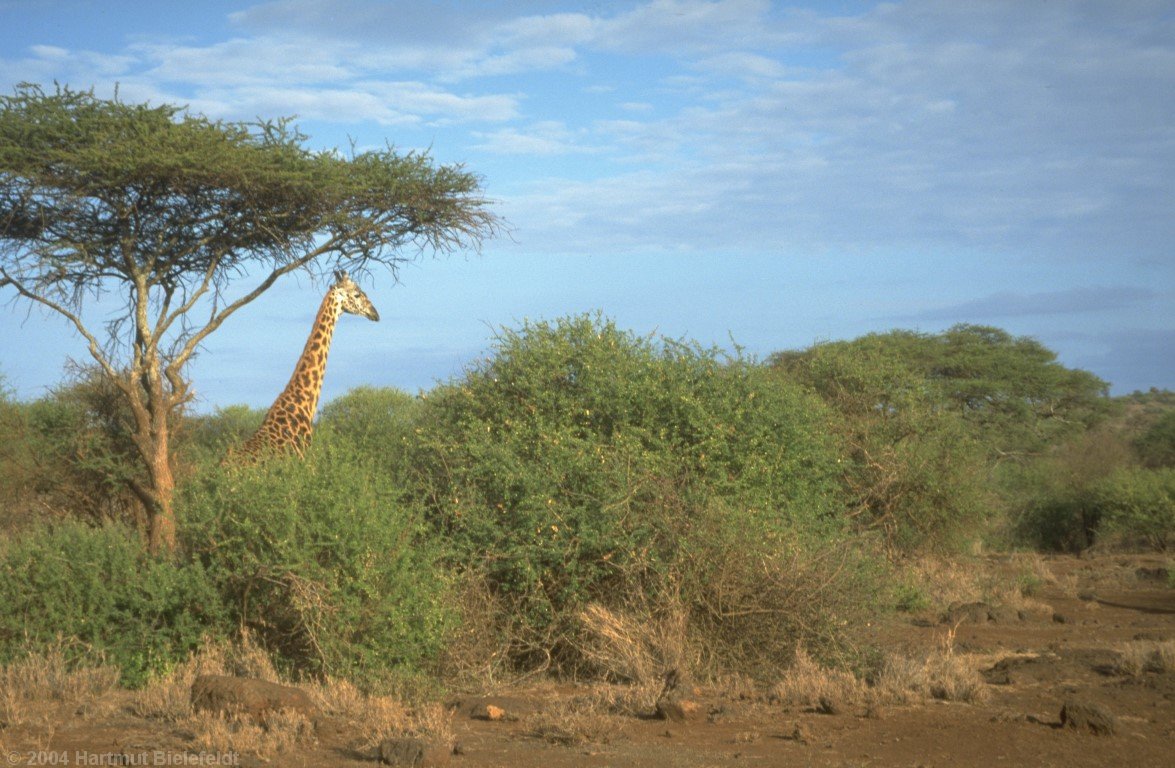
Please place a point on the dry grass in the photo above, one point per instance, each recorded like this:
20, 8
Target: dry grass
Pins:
282, 731
809, 684
634, 647
32, 687
432, 723
169, 697
377, 718
479, 651
945, 581
1139, 656
574, 722
942, 675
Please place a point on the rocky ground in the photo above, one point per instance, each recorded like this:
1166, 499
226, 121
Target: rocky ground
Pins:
1094, 642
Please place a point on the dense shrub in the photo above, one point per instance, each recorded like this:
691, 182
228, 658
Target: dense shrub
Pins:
379, 422
319, 560
914, 469
68, 454
1156, 446
96, 589
206, 439
1053, 498
581, 464
1139, 504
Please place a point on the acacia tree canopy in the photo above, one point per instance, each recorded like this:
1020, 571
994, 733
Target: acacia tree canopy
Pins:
166, 209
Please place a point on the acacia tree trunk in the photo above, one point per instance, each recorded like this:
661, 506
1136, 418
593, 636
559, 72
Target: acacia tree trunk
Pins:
152, 402
155, 487
160, 514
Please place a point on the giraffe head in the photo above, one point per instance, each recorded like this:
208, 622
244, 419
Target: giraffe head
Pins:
351, 298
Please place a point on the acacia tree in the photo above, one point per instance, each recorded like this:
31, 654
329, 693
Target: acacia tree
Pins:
166, 209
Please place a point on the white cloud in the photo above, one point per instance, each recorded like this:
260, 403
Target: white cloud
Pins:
543, 138
244, 62
685, 27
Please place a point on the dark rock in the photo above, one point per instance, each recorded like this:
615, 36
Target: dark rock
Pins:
974, 613
1000, 674
1003, 614
413, 753
1158, 574
249, 696
1081, 715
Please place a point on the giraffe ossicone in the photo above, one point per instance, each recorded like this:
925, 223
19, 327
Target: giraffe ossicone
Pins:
290, 420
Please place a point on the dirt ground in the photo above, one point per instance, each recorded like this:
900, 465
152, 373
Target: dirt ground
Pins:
1070, 648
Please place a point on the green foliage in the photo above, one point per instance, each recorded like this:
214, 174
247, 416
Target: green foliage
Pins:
1054, 501
1012, 389
166, 209
97, 587
379, 422
68, 453
318, 559
575, 463
1156, 446
913, 469
1139, 503
206, 439
219, 194
929, 420
910, 597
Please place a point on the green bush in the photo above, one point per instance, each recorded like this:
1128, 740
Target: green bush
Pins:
1156, 446
1053, 498
1139, 504
206, 439
320, 561
98, 587
913, 469
378, 421
579, 462
69, 453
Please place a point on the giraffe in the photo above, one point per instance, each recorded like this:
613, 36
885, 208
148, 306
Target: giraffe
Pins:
290, 420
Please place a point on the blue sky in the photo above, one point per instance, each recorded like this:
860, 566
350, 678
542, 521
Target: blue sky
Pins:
776, 174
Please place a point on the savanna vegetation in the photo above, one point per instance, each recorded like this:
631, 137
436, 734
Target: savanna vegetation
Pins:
577, 486
583, 501
172, 214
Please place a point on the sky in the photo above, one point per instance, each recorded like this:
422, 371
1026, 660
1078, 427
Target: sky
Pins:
734, 172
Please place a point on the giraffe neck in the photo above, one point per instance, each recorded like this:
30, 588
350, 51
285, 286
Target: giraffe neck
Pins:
290, 420
306, 382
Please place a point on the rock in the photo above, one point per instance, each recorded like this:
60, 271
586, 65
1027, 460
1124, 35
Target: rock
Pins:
1004, 614
826, 706
413, 753
975, 613
1000, 674
1081, 715
1158, 574
1060, 618
250, 696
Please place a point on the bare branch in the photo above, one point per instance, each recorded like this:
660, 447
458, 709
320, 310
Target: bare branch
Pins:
75, 320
